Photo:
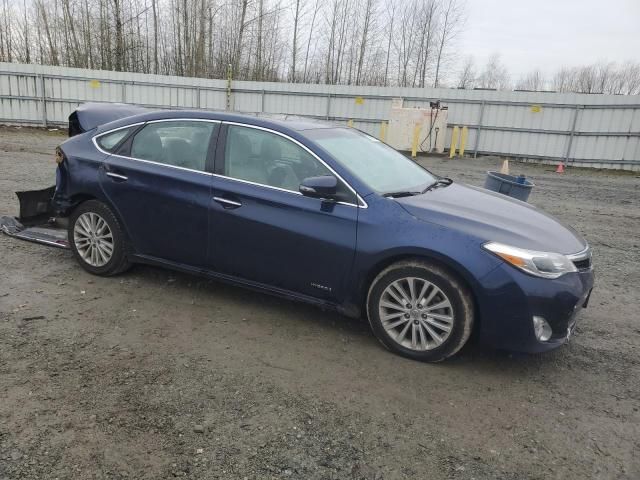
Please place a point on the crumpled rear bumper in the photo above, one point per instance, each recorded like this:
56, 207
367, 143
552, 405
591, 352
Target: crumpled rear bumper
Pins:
36, 205
36, 222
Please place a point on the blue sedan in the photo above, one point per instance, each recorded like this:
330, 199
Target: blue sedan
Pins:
322, 214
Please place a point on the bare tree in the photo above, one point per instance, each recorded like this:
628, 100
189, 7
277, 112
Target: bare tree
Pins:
316, 9
494, 75
363, 42
238, 42
405, 45
428, 13
391, 12
586, 79
533, 81
369, 13
605, 75
467, 75
629, 79
562, 80
451, 24
294, 46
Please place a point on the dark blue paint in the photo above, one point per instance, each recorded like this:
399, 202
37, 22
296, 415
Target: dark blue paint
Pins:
282, 239
165, 209
313, 250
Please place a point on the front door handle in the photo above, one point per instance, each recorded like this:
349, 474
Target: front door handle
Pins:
226, 203
117, 176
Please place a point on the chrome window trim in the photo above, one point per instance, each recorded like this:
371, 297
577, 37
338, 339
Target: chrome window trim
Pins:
162, 164
95, 143
184, 120
362, 203
151, 161
93, 139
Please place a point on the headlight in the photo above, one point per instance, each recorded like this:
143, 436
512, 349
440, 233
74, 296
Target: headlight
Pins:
540, 264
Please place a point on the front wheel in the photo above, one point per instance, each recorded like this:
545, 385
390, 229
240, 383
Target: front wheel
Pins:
97, 239
420, 310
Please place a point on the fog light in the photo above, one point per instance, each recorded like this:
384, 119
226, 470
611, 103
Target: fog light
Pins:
542, 329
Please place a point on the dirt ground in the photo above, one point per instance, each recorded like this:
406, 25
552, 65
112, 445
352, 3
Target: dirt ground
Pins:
155, 374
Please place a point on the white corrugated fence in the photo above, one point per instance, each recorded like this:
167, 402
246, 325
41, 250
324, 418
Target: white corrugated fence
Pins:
587, 130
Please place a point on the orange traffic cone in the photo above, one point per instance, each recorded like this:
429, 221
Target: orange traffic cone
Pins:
505, 167
560, 168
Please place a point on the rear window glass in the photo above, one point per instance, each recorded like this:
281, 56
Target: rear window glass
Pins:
111, 140
180, 143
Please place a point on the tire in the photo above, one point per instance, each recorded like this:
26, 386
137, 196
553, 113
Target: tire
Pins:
435, 327
92, 227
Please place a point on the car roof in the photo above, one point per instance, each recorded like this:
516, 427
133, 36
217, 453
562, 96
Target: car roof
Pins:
277, 122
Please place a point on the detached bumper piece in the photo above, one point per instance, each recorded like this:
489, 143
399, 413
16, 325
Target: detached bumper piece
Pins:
49, 233
36, 222
35, 206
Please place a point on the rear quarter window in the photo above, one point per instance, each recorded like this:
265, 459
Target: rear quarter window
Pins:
108, 142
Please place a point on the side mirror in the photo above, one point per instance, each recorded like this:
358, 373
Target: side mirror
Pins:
319, 187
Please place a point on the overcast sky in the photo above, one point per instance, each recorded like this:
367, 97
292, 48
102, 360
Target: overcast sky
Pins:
549, 34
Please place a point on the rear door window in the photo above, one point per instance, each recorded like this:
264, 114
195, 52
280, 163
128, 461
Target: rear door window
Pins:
180, 143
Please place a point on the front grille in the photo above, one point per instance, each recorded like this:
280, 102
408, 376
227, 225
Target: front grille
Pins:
582, 260
584, 264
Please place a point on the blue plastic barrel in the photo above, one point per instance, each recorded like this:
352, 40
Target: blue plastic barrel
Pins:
516, 187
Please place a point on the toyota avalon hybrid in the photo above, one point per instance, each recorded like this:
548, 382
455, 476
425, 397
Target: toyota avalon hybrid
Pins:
323, 214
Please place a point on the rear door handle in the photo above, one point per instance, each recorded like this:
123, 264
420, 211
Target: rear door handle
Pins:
226, 203
117, 176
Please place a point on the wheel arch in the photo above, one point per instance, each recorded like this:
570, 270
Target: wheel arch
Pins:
78, 199
451, 266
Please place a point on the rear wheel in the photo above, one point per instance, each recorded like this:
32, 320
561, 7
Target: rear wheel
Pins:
97, 239
420, 310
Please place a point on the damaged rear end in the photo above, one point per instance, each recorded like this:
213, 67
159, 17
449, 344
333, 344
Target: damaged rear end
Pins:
37, 221
42, 212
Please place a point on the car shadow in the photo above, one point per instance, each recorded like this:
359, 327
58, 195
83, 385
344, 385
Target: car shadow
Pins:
289, 315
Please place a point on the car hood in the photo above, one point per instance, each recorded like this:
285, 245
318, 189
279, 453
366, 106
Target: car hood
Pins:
490, 216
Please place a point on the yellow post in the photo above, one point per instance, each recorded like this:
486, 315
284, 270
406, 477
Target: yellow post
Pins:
350, 124
229, 78
416, 139
454, 141
464, 133
383, 131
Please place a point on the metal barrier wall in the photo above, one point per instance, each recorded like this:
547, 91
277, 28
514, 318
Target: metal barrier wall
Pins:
584, 130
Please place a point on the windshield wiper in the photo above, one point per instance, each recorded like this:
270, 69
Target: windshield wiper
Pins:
400, 194
442, 181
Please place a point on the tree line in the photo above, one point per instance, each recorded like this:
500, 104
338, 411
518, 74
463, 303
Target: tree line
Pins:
602, 77
354, 42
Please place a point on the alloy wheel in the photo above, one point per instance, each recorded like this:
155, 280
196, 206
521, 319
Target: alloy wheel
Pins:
93, 239
416, 314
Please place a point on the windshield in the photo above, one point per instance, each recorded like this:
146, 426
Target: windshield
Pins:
379, 166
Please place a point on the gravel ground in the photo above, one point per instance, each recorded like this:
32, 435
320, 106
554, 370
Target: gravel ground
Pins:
156, 374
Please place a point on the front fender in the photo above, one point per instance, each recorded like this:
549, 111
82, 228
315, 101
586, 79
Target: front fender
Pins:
387, 233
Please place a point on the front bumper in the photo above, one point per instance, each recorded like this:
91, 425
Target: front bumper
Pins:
511, 298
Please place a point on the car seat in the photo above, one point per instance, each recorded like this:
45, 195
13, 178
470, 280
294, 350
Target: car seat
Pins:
179, 152
147, 145
279, 173
240, 161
